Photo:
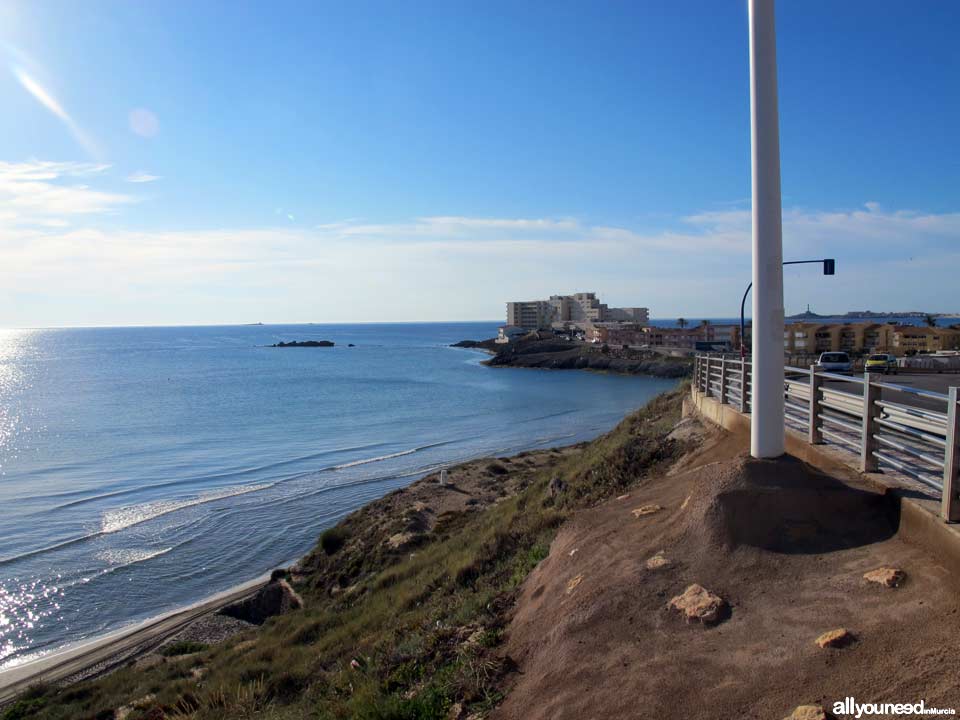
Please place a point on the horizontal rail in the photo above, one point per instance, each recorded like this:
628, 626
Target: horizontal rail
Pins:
836, 421
838, 376
910, 410
846, 409
926, 437
912, 391
842, 394
918, 441
923, 457
904, 468
841, 439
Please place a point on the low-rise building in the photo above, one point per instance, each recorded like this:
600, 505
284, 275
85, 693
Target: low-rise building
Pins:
865, 338
909, 340
509, 333
727, 336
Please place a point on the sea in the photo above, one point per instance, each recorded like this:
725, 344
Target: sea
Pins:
144, 469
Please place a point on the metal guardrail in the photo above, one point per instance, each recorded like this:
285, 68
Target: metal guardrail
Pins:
921, 443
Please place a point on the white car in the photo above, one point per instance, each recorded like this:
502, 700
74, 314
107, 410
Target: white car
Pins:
835, 362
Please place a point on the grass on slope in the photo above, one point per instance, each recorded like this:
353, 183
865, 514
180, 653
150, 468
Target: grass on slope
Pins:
411, 635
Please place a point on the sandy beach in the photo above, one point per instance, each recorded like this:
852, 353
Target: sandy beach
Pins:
101, 654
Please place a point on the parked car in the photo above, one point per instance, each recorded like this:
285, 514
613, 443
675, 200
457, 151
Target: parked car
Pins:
835, 362
881, 363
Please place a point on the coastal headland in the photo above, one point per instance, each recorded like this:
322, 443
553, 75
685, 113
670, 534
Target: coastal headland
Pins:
656, 570
555, 354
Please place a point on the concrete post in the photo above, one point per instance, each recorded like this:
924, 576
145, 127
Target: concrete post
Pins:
723, 381
814, 436
950, 503
871, 411
767, 425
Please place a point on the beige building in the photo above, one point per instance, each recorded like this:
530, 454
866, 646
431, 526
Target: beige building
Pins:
865, 338
530, 314
908, 340
581, 309
687, 338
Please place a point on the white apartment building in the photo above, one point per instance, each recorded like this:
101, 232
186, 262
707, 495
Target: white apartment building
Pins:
580, 309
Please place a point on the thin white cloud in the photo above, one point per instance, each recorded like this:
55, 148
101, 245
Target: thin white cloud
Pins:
436, 267
43, 96
141, 177
43, 192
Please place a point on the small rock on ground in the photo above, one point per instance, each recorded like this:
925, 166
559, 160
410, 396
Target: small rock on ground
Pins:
698, 603
124, 711
835, 638
658, 561
809, 712
887, 576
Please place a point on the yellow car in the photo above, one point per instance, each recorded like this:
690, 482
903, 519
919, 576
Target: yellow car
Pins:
881, 363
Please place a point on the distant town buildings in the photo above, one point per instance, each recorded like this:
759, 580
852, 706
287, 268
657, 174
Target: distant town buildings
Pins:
561, 311
706, 337
583, 316
864, 338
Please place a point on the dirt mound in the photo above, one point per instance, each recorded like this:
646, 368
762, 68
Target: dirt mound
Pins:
783, 506
274, 598
784, 546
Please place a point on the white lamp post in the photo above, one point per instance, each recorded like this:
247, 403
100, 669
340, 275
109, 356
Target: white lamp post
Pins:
767, 424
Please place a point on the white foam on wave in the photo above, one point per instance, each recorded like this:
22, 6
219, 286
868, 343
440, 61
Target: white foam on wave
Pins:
121, 518
118, 558
381, 458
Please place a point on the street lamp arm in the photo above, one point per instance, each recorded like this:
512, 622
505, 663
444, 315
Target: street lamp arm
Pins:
829, 265
742, 325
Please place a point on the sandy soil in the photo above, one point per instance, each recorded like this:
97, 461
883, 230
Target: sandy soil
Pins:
785, 546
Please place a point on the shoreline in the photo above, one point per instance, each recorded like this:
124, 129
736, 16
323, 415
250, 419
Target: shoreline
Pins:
476, 535
78, 661
119, 646
101, 654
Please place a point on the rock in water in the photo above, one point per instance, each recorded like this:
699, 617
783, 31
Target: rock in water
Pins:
304, 343
698, 603
274, 598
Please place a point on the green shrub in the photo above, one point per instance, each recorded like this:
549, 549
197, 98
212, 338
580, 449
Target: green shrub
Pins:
23, 709
182, 647
333, 539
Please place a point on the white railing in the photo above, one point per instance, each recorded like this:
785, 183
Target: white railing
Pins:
882, 424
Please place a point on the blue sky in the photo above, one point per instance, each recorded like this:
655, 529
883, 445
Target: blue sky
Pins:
184, 162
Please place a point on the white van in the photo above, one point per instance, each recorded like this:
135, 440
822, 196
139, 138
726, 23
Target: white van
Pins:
836, 362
